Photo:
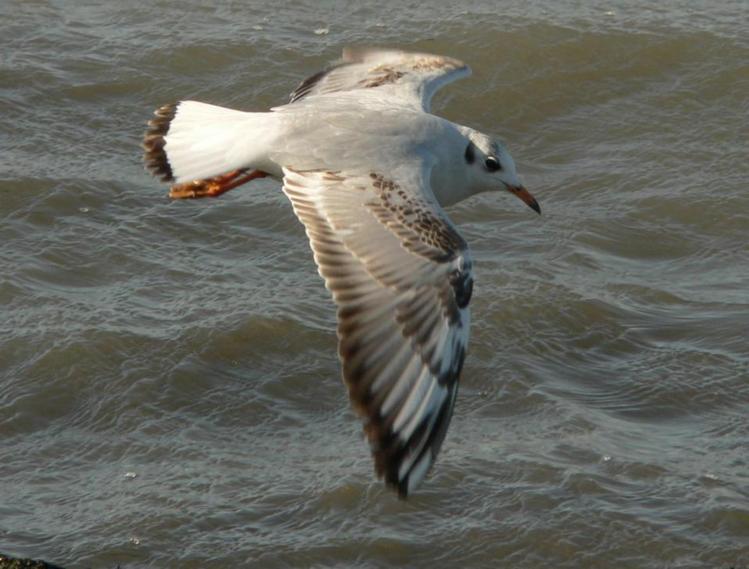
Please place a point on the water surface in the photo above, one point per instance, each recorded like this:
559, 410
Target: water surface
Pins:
169, 384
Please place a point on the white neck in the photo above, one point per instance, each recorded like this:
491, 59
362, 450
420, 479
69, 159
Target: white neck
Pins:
451, 180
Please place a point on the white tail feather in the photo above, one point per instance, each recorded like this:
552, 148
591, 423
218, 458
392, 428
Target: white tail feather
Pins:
206, 140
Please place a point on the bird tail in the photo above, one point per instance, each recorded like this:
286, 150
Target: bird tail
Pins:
189, 140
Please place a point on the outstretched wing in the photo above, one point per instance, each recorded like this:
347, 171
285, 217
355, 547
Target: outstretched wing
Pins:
400, 275
411, 77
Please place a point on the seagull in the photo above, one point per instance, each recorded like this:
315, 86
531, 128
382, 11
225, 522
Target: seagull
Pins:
368, 170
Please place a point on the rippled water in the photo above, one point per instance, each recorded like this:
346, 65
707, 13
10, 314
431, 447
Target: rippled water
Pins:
169, 384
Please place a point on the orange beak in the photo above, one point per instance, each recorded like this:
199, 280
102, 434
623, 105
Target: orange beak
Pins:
526, 196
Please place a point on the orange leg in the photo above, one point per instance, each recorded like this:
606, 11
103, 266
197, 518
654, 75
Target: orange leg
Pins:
213, 187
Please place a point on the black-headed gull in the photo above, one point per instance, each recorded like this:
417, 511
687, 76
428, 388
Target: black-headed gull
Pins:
368, 170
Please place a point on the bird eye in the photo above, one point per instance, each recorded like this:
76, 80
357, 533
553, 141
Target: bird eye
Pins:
492, 164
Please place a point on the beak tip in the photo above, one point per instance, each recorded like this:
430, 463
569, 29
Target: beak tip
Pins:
526, 196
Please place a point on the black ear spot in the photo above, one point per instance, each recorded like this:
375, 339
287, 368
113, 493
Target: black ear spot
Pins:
470, 154
492, 164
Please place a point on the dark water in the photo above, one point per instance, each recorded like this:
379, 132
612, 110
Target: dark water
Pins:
169, 389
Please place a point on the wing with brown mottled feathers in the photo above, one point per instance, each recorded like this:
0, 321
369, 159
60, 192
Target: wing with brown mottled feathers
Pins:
411, 77
400, 275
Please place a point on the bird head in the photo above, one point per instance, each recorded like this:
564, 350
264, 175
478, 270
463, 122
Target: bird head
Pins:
492, 168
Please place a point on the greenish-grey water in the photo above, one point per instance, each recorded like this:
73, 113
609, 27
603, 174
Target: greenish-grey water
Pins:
169, 386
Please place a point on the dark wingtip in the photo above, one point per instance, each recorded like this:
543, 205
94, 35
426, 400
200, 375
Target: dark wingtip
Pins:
403, 490
307, 85
153, 142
